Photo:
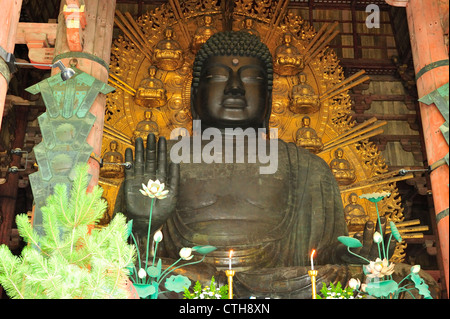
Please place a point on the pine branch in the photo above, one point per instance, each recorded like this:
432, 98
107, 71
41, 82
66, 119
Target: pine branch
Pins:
78, 192
51, 228
60, 198
43, 271
8, 263
92, 207
68, 261
27, 232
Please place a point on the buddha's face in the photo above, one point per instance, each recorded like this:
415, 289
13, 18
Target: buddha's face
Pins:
232, 92
306, 121
147, 115
287, 38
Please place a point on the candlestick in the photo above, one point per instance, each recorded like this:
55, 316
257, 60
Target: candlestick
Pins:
313, 275
230, 274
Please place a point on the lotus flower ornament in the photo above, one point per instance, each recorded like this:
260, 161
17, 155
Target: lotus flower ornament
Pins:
379, 268
154, 189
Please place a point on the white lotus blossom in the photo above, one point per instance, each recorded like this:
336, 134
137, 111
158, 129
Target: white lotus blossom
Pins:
158, 236
377, 238
154, 189
354, 283
142, 273
186, 253
379, 268
415, 269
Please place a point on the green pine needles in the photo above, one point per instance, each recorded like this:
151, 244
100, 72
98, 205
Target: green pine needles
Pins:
72, 259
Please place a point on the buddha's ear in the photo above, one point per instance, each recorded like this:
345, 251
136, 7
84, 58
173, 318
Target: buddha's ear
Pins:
269, 111
192, 98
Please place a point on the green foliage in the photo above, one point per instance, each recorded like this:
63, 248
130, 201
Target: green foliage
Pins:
208, 292
71, 259
337, 292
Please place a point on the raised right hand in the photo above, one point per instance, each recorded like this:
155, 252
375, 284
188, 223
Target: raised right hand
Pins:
150, 163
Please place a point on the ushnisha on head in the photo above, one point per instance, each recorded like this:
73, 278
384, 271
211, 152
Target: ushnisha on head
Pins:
232, 81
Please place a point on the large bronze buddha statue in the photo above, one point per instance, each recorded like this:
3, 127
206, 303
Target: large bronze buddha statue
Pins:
271, 221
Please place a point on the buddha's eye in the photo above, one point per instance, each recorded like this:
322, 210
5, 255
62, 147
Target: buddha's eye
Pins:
252, 75
216, 73
219, 77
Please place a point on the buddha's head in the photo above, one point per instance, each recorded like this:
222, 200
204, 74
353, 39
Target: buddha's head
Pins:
208, 20
232, 82
306, 120
152, 71
339, 153
113, 146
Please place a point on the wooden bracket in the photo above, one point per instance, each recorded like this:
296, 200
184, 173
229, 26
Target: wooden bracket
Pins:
74, 13
40, 39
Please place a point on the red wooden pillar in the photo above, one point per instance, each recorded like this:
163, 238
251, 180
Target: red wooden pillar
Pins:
94, 57
430, 55
9, 19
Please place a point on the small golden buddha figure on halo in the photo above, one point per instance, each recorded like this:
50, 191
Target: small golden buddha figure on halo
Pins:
354, 212
151, 91
202, 34
287, 59
304, 99
146, 126
341, 168
249, 26
307, 138
109, 169
168, 54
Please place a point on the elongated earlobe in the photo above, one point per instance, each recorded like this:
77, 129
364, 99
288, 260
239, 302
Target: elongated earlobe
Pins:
193, 94
269, 112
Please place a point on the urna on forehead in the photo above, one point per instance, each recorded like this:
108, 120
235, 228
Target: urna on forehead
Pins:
233, 43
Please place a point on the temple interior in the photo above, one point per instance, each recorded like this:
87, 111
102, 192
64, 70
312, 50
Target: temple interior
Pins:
354, 103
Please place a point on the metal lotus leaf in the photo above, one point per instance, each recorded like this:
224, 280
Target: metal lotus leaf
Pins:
395, 232
203, 250
381, 288
375, 197
350, 241
421, 286
129, 227
145, 290
153, 271
177, 283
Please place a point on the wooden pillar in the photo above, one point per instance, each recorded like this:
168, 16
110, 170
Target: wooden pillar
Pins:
9, 19
8, 191
429, 50
93, 59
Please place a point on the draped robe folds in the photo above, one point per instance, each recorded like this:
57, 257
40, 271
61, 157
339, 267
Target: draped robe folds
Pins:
274, 262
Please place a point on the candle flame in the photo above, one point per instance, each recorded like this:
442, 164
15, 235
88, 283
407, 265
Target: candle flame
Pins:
231, 254
312, 253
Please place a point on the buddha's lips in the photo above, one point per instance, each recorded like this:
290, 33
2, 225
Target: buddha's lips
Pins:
236, 103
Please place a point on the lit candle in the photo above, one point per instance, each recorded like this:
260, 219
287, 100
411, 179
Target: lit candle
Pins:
312, 261
230, 255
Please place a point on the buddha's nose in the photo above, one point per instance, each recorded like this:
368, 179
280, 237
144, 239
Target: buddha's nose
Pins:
234, 85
